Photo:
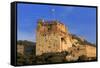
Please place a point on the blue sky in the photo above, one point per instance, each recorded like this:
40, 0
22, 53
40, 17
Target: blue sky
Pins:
79, 20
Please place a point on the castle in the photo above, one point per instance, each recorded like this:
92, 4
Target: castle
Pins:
53, 36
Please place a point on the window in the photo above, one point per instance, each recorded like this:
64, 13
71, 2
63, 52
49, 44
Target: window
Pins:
63, 40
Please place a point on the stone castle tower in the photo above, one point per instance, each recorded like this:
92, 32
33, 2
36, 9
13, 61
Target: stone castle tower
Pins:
52, 36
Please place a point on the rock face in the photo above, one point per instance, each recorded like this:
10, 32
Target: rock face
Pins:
53, 36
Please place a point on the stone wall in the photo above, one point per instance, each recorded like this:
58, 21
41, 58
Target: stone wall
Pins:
90, 51
20, 49
47, 43
52, 37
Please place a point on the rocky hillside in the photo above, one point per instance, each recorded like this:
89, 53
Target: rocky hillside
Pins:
81, 40
74, 54
25, 42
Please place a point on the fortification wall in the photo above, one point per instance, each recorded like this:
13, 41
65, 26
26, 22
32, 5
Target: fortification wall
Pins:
90, 51
47, 43
52, 37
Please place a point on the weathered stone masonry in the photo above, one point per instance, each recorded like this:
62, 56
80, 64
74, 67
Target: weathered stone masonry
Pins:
52, 36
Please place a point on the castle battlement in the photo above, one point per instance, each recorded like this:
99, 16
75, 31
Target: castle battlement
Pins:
51, 26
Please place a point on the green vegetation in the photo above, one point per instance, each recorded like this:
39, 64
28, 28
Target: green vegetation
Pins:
49, 26
83, 58
51, 57
29, 52
20, 59
29, 56
39, 23
26, 43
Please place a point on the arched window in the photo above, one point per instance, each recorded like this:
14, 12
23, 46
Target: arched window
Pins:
63, 40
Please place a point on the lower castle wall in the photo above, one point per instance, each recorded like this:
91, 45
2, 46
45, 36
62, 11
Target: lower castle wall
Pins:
90, 51
48, 43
